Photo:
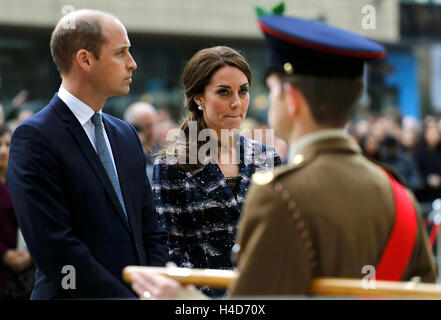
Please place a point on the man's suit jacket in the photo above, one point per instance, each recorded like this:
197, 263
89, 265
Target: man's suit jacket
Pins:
68, 210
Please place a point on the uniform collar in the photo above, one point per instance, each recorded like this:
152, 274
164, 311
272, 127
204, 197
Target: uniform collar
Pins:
81, 110
310, 138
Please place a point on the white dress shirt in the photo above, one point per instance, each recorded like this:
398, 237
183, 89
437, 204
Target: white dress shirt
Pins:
83, 113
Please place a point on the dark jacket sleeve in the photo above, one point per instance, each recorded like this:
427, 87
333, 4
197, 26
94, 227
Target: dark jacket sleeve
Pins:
35, 179
155, 237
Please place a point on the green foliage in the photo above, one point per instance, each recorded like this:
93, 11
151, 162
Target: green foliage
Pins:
278, 9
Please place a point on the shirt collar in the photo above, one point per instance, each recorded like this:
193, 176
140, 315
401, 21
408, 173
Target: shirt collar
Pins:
80, 110
312, 137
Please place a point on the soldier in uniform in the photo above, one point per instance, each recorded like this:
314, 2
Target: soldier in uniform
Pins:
330, 211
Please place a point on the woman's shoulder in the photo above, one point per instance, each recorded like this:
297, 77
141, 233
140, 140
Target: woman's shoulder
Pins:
255, 147
165, 166
257, 150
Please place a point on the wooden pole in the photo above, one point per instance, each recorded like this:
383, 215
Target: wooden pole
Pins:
324, 286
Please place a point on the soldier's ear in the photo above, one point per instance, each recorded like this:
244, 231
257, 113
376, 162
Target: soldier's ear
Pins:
294, 99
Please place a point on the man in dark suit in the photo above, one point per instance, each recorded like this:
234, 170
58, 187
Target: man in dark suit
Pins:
77, 175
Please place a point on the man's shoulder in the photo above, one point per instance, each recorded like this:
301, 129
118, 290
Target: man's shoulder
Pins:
40, 121
307, 173
272, 176
271, 188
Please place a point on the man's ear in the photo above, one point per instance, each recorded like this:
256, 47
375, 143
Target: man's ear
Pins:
293, 96
84, 59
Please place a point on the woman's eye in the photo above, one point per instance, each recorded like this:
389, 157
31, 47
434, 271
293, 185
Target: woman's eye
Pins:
243, 91
223, 92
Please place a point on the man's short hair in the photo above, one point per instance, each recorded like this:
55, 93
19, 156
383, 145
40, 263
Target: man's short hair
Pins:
331, 100
77, 30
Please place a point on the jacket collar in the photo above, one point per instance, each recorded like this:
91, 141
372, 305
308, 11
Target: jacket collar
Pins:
81, 110
308, 139
332, 144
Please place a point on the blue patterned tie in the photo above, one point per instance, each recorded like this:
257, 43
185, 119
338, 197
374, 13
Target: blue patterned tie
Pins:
106, 159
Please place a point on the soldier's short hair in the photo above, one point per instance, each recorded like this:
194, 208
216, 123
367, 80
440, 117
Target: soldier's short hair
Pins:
331, 100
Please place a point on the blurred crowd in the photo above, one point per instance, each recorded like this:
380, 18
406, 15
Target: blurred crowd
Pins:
411, 147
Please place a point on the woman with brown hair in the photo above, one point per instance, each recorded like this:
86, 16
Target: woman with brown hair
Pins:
199, 186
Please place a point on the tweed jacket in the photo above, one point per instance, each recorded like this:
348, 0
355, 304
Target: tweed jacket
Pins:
330, 212
199, 210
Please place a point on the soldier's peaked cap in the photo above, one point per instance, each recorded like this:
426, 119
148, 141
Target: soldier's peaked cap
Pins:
307, 47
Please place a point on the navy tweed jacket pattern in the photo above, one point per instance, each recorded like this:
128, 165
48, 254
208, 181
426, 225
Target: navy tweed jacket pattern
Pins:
199, 210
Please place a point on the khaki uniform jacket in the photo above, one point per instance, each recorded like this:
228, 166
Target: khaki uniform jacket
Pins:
329, 213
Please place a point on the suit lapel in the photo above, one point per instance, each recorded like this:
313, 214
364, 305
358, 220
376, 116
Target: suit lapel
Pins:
81, 138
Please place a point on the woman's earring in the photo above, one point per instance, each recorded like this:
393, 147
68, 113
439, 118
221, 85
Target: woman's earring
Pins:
200, 107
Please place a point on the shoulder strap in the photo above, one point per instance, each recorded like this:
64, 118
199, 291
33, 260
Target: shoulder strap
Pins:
401, 242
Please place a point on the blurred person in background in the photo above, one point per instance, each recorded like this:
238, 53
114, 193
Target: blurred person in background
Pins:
410, 122
16, 105
391, 154
16, 268
164, 124
24, 115
200, 203
362, 128
163, 114
428, 158
370, 146
163, 128
379, 129
409, 140
143, 116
